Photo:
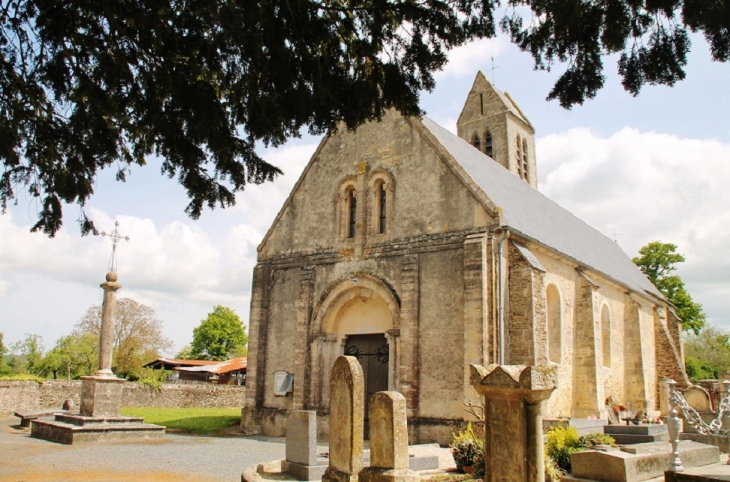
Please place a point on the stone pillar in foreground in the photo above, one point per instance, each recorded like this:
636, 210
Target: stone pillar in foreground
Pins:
101, 394
106, 334
513, 429
347, 389
388, 440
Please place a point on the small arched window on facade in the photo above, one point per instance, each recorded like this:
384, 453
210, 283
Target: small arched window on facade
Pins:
554, 323
524, 158
382, 207
352, 213
606, 336
488, 149
476, 142
380, 203
519, 157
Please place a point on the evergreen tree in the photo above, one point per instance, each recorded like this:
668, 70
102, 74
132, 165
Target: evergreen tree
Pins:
106, 84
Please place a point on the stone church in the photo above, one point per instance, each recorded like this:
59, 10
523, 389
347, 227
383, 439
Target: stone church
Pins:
421, 252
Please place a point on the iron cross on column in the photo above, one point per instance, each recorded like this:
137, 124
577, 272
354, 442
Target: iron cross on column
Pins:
115, 240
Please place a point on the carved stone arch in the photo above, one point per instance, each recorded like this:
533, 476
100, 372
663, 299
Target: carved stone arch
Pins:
335, 318
340, 293
381, 196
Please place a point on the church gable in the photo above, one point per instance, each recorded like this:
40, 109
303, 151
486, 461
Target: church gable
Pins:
386, 181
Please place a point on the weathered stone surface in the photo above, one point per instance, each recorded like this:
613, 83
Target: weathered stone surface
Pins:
101, 396
106, 333
301, 437
719, 441
513, 437
347, 417
621, 466
698, 398
388, 440
75, 429
18, 395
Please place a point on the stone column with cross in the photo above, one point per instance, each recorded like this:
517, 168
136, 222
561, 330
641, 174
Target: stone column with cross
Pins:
101, 394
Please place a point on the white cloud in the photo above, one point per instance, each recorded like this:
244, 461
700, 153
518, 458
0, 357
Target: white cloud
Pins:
261, 203
464, 60
650, 187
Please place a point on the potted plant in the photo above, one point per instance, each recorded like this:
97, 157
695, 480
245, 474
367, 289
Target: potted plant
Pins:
468, 450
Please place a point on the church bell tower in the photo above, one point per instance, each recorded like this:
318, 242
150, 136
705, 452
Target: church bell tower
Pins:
493, 123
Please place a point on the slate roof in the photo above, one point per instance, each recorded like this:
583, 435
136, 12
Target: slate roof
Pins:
535, 217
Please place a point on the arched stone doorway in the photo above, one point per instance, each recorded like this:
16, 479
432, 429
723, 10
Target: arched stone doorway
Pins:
359, 316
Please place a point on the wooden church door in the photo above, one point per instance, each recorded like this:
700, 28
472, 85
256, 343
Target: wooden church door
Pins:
373, 353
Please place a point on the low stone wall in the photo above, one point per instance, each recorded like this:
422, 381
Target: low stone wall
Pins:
29, 395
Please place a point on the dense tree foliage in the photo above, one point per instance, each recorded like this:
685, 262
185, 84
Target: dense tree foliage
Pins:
658, 261
219, 336
31, 354
707, 353
138, 337
93, 85
73, 356
186, 353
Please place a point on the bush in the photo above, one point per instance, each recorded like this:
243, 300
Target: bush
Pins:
596, 438
151, 378
560, 442
468, 450
553, 473
23, 376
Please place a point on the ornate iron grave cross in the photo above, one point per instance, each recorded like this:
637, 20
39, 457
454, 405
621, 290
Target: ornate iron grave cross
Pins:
115, 240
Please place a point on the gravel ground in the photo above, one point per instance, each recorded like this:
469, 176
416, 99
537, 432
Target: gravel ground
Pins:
173, 458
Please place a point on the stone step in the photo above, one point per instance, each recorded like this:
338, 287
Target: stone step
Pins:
81, 420
645, 429
629, 439
709, 473
69, 433
647, 461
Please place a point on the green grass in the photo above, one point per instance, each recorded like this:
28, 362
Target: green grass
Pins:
201, 421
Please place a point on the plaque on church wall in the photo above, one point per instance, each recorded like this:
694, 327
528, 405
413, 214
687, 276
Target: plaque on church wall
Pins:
283, 383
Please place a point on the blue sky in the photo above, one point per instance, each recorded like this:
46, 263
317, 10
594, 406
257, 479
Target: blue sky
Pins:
654, 167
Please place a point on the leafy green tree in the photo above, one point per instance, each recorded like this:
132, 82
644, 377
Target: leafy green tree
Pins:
658, 261
219, 336
138, 336
73, 356
4, 368
707, 353
94, 85
31, 351
185, 354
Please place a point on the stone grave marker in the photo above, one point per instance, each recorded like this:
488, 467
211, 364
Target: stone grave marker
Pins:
388, 440
698, 398
347, 388
301, 446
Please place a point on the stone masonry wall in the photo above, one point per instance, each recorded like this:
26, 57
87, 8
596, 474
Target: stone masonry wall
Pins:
521, 310
29, 395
